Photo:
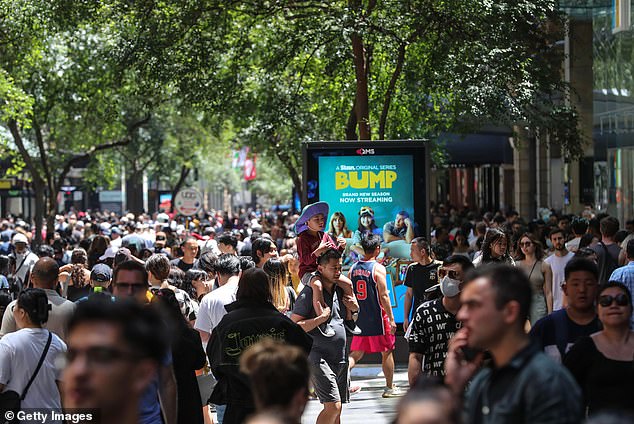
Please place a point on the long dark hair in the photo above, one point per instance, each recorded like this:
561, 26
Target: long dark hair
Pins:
97, 248
190, 276
254, 286
366, 210
539, 250
493, 235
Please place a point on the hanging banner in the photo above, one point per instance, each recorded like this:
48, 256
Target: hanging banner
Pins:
250, 173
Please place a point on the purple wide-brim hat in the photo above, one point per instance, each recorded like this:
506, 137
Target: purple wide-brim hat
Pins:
308, 212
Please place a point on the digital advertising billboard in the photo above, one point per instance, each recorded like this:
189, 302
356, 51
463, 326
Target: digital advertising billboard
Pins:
386, 176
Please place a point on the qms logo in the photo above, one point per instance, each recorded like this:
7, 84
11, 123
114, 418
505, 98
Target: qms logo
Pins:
365, 151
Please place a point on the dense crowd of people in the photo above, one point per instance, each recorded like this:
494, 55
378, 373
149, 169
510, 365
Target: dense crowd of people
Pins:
164, 320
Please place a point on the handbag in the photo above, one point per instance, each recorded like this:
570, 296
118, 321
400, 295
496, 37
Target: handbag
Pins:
10, 401
206, 383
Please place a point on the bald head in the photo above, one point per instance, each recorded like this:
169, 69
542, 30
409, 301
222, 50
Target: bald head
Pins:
45, 273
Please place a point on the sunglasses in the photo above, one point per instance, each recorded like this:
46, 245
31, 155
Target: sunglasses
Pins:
448, 272
160, 238
606, 300
526, 244
134, 287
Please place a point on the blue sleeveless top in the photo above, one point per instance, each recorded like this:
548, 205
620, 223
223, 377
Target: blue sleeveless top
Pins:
370, 319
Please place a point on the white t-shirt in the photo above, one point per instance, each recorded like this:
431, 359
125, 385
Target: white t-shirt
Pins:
23, 264
558, 264
212, 306
573, 245
210, 245
20, 353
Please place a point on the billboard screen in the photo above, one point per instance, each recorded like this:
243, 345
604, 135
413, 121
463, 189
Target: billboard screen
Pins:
383, 183
387, 176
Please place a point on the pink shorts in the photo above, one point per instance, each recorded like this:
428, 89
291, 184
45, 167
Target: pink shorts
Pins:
374, 344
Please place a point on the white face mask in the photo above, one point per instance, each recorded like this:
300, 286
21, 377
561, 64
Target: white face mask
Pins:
449, 287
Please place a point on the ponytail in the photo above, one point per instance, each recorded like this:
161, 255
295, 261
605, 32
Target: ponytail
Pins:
35, 303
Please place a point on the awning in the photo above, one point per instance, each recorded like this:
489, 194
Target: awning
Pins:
477, 149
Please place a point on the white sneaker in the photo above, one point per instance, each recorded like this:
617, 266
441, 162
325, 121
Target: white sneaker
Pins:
392, 392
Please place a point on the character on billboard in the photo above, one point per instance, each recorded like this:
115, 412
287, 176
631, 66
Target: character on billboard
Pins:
402, 228
366, 226
312, 242
338, 226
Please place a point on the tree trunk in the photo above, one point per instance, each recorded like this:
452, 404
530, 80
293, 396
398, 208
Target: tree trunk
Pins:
40, 193
400, 60
362, 102
297, 180
179, 184
351, 125
134, 192
51, 211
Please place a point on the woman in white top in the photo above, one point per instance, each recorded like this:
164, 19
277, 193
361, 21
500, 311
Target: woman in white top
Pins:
20, 353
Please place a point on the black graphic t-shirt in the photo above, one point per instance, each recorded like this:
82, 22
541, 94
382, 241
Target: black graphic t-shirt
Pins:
420, 278
432, 328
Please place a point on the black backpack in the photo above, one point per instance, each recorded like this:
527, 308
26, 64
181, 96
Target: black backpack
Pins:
607, 264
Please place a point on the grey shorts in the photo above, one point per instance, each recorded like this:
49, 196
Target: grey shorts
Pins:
331, 381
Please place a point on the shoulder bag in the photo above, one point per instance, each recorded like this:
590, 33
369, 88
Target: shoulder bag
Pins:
10, 400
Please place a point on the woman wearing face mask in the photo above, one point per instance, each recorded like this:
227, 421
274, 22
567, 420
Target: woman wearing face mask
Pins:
495, 249
603, 363
539, 274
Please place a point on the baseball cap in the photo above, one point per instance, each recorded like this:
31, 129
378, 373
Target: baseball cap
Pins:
101, 273
110, 253
366, 210
124, 254
20, 238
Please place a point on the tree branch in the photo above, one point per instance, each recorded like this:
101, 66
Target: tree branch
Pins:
95, 149
43, 155
301, 78
400, 60
185, 170
28, 160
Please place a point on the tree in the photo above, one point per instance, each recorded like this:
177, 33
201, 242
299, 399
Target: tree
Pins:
72, 99
290, 71
85, 77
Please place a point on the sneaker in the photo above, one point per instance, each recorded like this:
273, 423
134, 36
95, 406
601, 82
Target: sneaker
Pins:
351, 328
392, 392
326, 330
354, 390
